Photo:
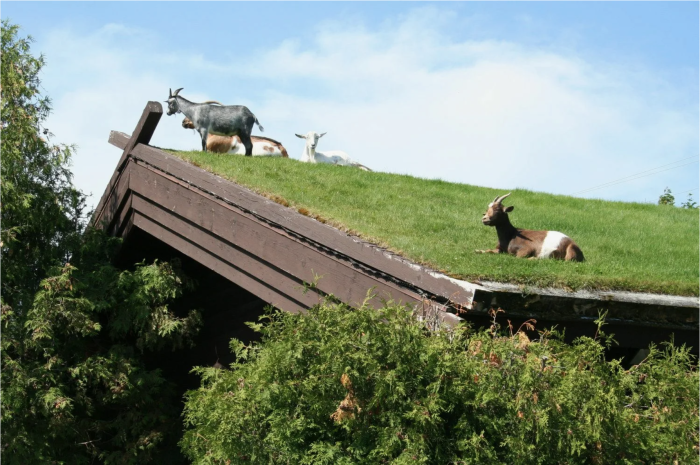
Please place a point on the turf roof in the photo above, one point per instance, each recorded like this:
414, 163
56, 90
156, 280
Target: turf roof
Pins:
628, 246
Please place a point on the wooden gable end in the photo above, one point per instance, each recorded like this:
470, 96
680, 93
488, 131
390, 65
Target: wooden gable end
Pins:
266, 248
273, 252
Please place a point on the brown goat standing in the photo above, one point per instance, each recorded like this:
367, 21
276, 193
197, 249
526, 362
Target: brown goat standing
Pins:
525, 242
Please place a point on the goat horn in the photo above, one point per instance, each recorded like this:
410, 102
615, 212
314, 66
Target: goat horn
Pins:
500, 198
177, 91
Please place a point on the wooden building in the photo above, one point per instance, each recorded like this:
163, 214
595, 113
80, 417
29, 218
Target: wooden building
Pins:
247, 252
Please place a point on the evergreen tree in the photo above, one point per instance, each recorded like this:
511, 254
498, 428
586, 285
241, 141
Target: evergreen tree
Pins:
75, 329
364, 386
41, 210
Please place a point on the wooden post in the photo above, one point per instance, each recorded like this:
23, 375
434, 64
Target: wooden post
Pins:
142, 135
144, 129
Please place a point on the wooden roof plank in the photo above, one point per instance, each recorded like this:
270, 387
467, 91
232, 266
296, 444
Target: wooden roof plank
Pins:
141, 135
266, 292
224, 252
259, 240
117, 204
307, 228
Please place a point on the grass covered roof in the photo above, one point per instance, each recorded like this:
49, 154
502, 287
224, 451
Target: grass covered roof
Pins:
628, 246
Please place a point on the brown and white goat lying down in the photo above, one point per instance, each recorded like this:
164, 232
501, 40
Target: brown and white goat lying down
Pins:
262, 146
525, 242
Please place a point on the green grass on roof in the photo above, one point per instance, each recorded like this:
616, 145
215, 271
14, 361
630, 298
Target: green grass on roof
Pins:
628, 246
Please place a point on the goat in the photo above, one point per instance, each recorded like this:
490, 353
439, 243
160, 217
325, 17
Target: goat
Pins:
262, 146
334, 157
525, 242
229, 120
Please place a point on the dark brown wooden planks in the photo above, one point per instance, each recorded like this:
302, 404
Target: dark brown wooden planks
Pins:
334, 240
256, 240
264, 291
142, 135
227, 253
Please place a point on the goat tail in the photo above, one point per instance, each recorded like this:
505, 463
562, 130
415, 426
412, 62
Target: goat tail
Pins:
362, 167
258, 123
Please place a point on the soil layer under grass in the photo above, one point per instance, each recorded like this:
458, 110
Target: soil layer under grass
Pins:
628, 246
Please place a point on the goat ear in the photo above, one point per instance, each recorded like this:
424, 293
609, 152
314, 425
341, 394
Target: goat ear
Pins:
300, 136
321, 135
509, 209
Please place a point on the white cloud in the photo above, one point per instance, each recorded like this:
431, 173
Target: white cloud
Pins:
101, 83
405, 98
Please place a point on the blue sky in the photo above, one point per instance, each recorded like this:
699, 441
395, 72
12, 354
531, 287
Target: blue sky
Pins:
551, 96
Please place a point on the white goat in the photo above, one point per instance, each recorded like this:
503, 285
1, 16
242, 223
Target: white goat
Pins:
334, 157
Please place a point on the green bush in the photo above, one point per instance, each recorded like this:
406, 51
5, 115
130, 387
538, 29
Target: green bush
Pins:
75, 385
341, 385
77, 332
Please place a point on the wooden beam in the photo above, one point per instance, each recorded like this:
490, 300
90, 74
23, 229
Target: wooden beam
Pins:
226, 253
182, 209
119, 139
117, 205
263, 290
361, 254
141, 135
145, 127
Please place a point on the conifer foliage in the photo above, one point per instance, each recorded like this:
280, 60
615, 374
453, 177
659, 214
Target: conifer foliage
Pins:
41, 210
342, 386
75, 387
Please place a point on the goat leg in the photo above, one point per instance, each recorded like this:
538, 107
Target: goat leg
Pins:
488, 251
247, 143
205, 137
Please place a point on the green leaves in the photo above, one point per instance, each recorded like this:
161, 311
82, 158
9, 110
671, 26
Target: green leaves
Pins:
41, 211
646, 248
343, 385
145, 313
74, 385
